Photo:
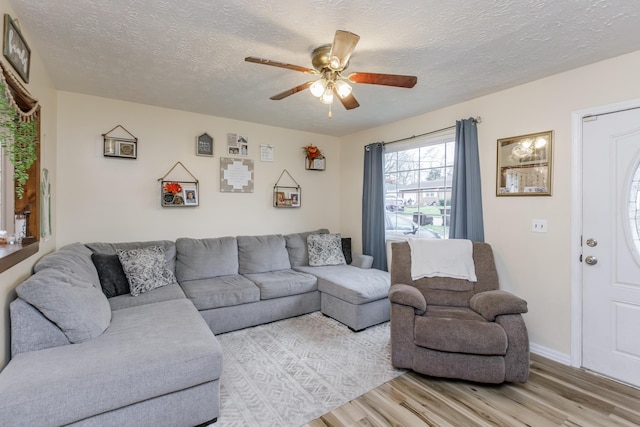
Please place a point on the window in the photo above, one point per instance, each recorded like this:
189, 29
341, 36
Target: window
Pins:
418, 176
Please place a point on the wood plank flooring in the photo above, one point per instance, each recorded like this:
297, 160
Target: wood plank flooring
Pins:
555, 395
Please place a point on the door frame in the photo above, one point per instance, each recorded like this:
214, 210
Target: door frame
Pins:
576, 219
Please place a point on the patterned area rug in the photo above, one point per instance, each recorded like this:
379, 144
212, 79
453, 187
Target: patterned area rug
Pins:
290, 372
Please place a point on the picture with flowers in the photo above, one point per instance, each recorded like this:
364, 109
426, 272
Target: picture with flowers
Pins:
179, 193
315, 158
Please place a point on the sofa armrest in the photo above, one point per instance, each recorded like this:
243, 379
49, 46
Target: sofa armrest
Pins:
361, 260
490, 304
409, 296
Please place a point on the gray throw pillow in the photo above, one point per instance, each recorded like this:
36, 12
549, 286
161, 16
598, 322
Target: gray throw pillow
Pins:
77, 307
325, 249
145, 268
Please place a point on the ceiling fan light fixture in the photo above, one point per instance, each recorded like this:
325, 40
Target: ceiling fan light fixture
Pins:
327, 96
334, 63
343, 88
318, 87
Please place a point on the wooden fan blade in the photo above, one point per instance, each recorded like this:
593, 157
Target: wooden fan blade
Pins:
348, 101
289, 92
383, 79
280, 64
343, 45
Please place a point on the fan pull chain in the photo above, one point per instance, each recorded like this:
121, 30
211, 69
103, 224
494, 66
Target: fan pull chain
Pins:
330, 114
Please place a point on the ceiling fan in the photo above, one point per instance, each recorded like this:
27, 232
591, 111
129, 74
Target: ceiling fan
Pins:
329, 62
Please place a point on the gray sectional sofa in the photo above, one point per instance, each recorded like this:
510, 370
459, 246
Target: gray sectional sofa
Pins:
80, 358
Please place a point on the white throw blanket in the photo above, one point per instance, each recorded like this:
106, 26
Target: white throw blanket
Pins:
442, 258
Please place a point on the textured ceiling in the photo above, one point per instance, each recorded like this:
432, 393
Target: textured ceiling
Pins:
189, 54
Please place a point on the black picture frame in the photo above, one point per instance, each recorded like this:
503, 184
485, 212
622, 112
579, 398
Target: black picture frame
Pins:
15, 49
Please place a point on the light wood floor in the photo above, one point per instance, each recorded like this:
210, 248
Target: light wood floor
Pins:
555, 395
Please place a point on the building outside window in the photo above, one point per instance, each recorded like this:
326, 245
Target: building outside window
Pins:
418, 177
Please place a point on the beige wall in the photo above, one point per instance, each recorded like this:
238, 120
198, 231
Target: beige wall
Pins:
107, 199
40, 87
533, 265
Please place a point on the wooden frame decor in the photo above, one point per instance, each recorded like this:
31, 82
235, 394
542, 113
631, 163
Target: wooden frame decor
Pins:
178, 193
204, 145
123, 147
15, 48
524, 165
236, 175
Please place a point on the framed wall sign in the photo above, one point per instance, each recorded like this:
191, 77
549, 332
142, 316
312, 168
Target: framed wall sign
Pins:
236, 175
524, 165
204, 145
16, 50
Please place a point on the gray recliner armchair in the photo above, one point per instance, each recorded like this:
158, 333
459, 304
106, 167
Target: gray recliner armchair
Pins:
455, 328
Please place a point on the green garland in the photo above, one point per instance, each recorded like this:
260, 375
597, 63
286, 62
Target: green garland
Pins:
19, 139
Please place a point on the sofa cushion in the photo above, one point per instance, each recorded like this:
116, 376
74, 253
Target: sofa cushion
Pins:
112, 278
149, 351
164, 293
168, 246
146, 269
351, 284
282, 283
206, 258
221, 291
259, 254
74, 258
297, 246
460, 335
74, 304
325, 249
31, 330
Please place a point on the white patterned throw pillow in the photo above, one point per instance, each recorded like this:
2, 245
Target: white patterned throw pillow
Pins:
325, 249
145, 268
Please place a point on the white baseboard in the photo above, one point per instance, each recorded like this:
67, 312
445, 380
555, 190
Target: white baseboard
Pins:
554, 355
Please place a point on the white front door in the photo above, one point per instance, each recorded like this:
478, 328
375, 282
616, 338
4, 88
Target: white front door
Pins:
611, 245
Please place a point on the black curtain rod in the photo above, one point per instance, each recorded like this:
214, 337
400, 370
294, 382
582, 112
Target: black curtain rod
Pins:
475, 119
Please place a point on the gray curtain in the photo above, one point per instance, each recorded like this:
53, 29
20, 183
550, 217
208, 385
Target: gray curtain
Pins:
466, 197
373, 242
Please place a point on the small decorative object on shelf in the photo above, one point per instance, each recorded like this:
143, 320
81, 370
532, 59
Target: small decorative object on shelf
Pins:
178, 193
314, 158
125, 147
286, 196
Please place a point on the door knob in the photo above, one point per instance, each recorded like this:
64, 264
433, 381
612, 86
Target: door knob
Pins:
591, 260
592, 242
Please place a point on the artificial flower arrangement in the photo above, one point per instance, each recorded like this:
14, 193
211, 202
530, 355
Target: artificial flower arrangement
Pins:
172, 187
172, 193
312, 152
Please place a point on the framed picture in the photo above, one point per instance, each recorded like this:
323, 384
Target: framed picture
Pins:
524, 165
115, 147
286, 197
190, 196
236, 175
120, 146
317, 164
295, 199
15, 49
204, 145
179, 194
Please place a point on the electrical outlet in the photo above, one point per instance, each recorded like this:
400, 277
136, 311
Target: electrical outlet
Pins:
539, 226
